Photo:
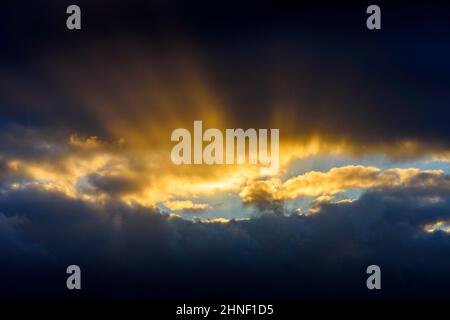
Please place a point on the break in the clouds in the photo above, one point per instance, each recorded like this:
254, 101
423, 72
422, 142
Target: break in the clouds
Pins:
85, 170
355, 90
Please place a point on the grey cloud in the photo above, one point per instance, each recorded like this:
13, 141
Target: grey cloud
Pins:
137, 252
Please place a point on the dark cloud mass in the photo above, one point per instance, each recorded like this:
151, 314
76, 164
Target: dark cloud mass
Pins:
136, 252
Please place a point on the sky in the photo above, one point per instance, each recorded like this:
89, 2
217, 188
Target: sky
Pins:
86, 176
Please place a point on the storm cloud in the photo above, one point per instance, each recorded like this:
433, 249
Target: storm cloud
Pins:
137, 252
264, 67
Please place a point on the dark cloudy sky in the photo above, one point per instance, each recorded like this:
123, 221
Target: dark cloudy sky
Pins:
85, 170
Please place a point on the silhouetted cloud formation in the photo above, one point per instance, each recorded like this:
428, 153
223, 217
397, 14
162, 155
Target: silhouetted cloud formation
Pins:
136, 252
